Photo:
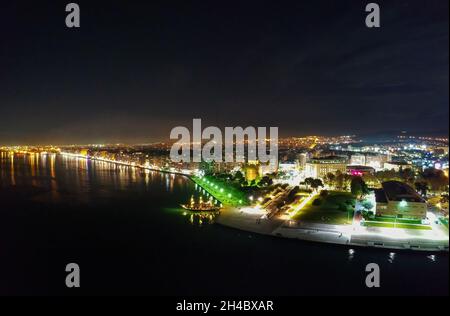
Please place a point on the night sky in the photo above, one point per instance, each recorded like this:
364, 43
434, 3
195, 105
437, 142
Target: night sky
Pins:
136, 69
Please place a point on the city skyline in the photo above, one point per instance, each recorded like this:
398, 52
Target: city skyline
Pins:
132, 75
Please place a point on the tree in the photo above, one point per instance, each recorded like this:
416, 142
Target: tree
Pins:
358, 187
368, 205
370, 179
265, 181
238, 176
339, 180
342, 180
388, 175
435, 178
308, 182
407, 175
330, 179
316, 183
422, 187
324, 193
207, 167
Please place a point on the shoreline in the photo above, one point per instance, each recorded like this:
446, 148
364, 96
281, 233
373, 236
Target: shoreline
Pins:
347, 235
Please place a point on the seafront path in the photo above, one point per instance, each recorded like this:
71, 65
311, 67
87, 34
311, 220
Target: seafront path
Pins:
253, 222
353, 235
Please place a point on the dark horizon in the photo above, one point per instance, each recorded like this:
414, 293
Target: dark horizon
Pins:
134, 70
387, 136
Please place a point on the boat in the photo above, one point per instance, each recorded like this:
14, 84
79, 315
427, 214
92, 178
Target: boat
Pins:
200, 206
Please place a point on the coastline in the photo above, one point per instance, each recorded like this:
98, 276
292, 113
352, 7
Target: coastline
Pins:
332, 234
348, 235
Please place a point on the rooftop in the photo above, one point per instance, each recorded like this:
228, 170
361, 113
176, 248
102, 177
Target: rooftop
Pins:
398, 163
398, 191
380, 196
358, 167
329, 160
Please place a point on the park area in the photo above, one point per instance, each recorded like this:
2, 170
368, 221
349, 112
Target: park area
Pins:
332, 207
226, 193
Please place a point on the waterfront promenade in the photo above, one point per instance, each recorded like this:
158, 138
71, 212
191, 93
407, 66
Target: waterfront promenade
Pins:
352, 235
247, 219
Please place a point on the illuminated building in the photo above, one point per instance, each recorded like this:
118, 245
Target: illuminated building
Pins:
443, 149
267, 168
360, 170
320, 167
376, 161
84, 152
358, 160
302, 159
397, 166
399, 200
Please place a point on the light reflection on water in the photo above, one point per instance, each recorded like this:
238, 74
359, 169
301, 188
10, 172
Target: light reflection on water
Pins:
391, 257
200, 218
56, 174
63, 180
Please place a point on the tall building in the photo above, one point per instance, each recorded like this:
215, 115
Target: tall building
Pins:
302, 159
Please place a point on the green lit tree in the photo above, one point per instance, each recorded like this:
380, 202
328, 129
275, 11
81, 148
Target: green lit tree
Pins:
207, 167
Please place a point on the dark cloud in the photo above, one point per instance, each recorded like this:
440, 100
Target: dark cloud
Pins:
136, 69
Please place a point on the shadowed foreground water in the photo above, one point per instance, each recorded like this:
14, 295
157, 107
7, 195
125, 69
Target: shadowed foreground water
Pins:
125, 229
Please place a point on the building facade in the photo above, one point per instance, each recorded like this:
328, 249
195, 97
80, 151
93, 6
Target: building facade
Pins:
397, 199
320, 167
